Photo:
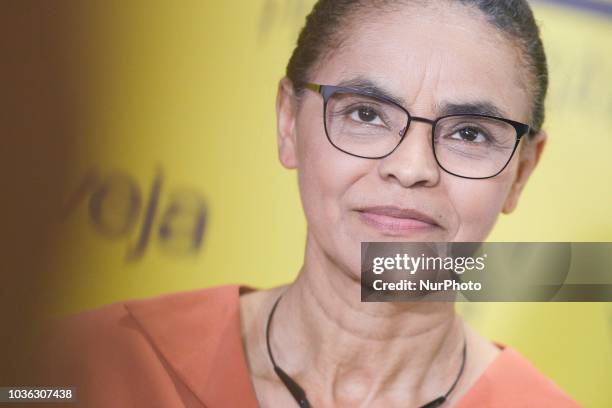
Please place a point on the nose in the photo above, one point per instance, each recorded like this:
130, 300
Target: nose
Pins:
412, 163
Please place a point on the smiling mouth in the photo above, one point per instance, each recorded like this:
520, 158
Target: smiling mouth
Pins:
396, 221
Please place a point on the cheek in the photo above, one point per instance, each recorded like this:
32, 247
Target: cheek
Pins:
325, 174
478, 203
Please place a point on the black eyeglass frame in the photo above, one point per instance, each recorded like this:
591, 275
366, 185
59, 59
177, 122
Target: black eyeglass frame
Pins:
327, 91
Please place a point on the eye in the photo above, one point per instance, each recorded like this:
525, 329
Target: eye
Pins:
366, 114
470, 134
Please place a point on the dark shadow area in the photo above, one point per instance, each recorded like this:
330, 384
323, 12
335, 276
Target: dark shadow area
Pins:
42, 117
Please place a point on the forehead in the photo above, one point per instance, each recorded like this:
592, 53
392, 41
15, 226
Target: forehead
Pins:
432, 56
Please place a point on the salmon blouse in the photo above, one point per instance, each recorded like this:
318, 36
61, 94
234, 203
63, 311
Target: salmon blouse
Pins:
185, 350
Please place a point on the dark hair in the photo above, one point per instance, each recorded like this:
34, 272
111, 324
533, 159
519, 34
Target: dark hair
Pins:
329, 21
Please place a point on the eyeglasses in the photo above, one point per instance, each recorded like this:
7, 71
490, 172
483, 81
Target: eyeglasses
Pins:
362, 124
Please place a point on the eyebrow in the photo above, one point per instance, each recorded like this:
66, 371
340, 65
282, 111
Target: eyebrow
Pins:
371, 87
446, 108
471, 108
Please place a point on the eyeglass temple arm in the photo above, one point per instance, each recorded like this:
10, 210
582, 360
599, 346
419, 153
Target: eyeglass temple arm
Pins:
314, 87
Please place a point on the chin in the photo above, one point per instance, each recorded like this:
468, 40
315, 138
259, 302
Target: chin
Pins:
375, 233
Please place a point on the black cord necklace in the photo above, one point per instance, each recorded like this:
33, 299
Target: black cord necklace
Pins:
300, 395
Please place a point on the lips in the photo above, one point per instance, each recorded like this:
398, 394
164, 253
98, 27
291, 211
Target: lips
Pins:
392, 219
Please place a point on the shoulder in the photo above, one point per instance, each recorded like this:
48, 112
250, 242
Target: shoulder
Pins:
512, 381
105, 326
120, 350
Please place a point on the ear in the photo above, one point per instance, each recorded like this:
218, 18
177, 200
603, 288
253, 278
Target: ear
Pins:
286, 113
529, 157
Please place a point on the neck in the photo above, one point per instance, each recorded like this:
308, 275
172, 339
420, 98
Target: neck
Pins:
344, 351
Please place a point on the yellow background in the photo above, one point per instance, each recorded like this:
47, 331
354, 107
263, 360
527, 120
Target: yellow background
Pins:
187, 89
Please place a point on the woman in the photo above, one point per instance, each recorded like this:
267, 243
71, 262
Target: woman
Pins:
406, 121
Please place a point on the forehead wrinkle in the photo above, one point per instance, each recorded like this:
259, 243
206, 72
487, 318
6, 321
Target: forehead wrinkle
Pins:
425, 79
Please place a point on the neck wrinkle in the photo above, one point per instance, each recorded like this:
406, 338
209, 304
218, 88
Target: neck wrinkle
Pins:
321, 329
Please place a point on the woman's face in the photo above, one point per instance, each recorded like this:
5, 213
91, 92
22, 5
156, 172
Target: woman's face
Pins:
429, 57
